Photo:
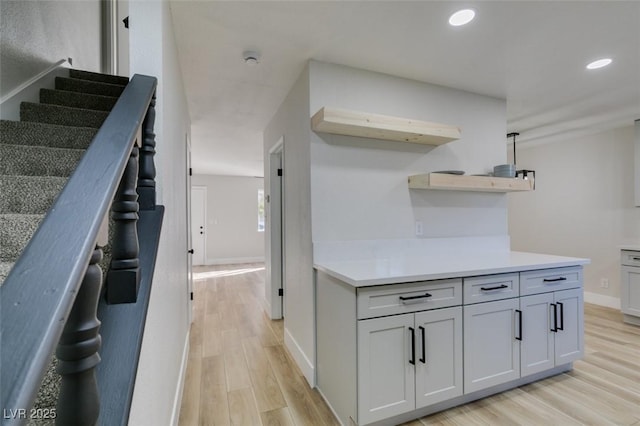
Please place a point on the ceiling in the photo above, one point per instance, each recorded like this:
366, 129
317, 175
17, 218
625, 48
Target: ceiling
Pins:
531, 53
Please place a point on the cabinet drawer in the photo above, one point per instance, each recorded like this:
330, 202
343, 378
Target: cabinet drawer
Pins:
630, 258
491, 287
542, 281
410, 297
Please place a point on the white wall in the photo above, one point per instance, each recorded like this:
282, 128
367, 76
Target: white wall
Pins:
359, 186
232, 218
160, 369
582, 205
291, 121
34, 35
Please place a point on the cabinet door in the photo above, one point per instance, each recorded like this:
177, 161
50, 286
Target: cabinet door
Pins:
537, 345
491, 351
569, 339
386, 378
630, 290
439, 355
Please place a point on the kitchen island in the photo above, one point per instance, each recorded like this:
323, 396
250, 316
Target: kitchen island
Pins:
405, 328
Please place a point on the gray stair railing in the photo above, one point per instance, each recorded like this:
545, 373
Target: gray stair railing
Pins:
50, 297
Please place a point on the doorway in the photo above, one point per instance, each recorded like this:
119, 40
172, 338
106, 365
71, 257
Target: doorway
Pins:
198, 224
275, 220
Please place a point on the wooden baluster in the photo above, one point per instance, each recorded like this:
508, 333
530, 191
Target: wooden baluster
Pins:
77, 352
147, 173
123, 278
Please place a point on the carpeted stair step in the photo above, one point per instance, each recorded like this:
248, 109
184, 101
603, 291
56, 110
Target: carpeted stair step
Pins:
29, 194
23, 160
55, 136
5, 267
103, 78
87, 86
65, 116
15, 232
77, 100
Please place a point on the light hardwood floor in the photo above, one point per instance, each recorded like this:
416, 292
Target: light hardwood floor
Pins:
239, 372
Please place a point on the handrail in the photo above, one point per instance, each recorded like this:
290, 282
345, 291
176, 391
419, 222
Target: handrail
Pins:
38, 294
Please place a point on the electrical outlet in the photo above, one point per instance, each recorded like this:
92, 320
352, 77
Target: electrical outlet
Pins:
419, 230
604, 282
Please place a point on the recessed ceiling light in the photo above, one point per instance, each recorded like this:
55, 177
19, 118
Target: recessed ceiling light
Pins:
599, 64
462, 17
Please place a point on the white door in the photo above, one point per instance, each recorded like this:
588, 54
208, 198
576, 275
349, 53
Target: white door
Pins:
439, 355
274, 289
569, 338
537, 345
198, 224
491, 350
386, 374
189, 230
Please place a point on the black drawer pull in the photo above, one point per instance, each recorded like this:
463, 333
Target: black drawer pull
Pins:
403, 298
553, 280
494, 288
412, 361
635, 258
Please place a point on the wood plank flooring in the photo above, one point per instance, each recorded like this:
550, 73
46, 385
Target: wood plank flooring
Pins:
239, 372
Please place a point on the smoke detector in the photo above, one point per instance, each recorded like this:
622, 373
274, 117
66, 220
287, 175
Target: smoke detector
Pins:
251, 58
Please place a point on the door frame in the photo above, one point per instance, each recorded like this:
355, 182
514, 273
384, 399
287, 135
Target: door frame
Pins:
276, 228
187, 147
204, 245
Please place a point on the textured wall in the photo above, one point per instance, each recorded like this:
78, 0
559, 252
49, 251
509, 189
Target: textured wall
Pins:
36, 34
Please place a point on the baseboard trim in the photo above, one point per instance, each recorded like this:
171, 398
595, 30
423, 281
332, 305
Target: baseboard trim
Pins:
306, 366
602, 300
175, 413
234, 260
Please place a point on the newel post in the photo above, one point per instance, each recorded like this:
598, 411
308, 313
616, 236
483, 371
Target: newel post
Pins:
147, 172
77, 352
123, 278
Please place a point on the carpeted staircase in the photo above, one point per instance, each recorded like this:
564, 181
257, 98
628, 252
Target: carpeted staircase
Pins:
38, 154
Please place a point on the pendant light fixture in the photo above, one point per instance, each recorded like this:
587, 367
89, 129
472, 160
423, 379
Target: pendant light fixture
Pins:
524, 174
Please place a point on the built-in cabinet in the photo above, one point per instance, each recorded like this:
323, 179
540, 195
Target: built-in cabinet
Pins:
630, 286
425, 344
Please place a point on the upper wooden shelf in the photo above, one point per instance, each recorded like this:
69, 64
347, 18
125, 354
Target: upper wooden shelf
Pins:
469, 183
361, 124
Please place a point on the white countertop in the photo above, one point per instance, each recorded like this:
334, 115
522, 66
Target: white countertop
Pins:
409, 268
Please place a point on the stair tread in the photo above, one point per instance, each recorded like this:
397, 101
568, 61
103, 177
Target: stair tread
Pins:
54, 135
29, 160
88, 86
77, 99
29, 194
5, 267
56, 114
94, 76
15, 232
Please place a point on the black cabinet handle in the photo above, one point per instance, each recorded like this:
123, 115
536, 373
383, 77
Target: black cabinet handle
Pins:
424, 352
555, 318
553, 280
635, 258
519, 336
561, 305
494, 288
190, 251
403, 298
412, 361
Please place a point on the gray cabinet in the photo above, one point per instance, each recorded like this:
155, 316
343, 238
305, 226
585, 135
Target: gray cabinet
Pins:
630, 286
408, 361
552, 330
491, 351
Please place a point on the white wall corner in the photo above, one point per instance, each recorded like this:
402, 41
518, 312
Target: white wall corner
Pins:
306, 366
175, 414
602, 300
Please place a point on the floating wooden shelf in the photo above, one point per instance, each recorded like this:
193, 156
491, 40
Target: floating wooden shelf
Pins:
375, 126
469, 183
